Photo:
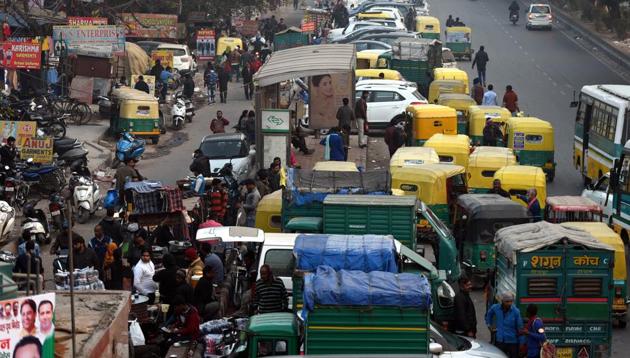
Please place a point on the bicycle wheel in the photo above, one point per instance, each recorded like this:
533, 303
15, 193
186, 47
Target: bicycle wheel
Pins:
84, 112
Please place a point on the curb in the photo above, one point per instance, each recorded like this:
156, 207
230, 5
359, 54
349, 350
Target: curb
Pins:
613, 53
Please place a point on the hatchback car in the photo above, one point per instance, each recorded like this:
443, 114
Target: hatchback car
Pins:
353, 26
360, 33
388, 100
361, 45
391, 37
224, 148
539, 16
182, 57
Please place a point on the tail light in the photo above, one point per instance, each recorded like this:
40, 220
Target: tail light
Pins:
416, 103
483, 255
618, 291
184, 59
54, 207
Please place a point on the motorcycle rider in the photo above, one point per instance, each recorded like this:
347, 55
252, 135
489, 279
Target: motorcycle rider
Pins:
514, 8
189, 86
62, 241
8, 153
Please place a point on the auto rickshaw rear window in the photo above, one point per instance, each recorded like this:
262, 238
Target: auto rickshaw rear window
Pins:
534, 138
408, 187
488, 173
282, 262
446, 158
542, 286
143, 110
587, 286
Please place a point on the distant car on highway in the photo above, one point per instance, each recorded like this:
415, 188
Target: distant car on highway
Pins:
223, 148
539, 16
182, 57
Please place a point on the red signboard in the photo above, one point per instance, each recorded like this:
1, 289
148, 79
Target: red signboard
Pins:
308, 27
77, 20
21, 55
159, 26
247, 27
205, 44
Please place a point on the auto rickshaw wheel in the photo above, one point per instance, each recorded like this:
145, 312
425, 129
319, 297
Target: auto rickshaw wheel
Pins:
155, 140
622, 323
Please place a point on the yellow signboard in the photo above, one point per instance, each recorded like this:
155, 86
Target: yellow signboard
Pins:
165, 57
40, 149
17, 130
545, 262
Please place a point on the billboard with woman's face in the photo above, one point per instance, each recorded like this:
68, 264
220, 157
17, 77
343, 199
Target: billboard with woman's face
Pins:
326, 93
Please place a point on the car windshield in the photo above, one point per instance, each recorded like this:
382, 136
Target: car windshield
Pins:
540, 10
449, 341
217, 149
176, 51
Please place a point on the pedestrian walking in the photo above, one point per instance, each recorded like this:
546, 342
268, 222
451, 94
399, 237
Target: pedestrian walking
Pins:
210, 81
235, 61
248, 81
481, 59
510, 100
345, 117
534, 332
505, 321
250, 127
217, 125
533, 205
465, 314
218, 200
271, 295
490, 97
395, 136
295, 4
360, 113
333, 145
224, 78
477, 91
251, 202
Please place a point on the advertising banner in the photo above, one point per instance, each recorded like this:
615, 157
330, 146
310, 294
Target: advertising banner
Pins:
17, 130
26, 326
69, 38
248, 27
205, 44
165, 57
159, 26
326, 95
40, 149
21, 55
77, 20
308, 27
150, 80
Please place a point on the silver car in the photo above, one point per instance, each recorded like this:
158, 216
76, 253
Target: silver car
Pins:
224, 148
454, 346
539, 16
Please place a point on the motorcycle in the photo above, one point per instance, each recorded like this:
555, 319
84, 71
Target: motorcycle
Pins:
52, 125
7, 220
190, 110
86, 196
178, 112
128, 147
36, 224
47, 179
514, 17
56, 207
70, 151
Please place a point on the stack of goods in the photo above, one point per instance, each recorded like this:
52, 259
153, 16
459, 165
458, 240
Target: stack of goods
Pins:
150, 197
84, 280
213, 336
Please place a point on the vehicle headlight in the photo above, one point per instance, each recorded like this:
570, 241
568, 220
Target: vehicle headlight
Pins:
445, 295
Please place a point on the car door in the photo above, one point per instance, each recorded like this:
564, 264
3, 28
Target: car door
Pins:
598, 193
383, 105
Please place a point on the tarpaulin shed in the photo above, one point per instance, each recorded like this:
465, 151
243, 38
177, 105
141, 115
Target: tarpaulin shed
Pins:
306, 61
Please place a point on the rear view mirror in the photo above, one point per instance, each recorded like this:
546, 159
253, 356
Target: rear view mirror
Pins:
435, 348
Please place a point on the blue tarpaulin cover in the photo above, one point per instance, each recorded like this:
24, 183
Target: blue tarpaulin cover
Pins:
346, 252
357, 288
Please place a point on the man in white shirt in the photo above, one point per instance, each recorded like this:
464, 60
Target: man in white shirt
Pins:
490, 97
143, 277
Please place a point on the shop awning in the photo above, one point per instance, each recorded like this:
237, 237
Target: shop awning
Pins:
306, 61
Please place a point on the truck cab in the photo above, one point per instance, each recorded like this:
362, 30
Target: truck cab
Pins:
272, 334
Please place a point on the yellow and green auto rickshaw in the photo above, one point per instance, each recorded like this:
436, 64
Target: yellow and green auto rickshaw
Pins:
374, 74
451, 148
518, 179
428, 27
425, 120
269, 212
606, 235
483, 163
444, 73
461, 103
438, 87
228, 43
437, 185
409, 156
459, 40
136, 112
477, 116
533, 144
367, 59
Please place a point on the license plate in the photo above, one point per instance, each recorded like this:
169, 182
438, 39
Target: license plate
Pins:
564, 352
55, 213
9, 189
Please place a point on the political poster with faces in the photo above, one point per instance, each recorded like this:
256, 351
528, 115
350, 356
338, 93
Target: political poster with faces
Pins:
27, 328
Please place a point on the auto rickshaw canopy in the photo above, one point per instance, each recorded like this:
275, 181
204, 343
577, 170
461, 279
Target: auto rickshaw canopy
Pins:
490, 207
423, 111
602, 232
368, 56
223, 43
428, 25
459, 101
427, 181
410, 156
335, 166
438, 87
453, 149
491, 157
373, 73
443, 73
517, 179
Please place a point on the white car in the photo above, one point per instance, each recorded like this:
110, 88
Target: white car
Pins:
387, 100
335, 33
598, 192
395, 13
224, 148
539, 16
182, 57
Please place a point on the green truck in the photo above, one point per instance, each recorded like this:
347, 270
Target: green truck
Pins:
567, 273
364, 318
415, 59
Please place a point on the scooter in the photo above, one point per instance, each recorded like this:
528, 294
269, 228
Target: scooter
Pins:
86, 196
514, 17
190, 109
56, 207
128, 147
36, 224
7, 220
178, 112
